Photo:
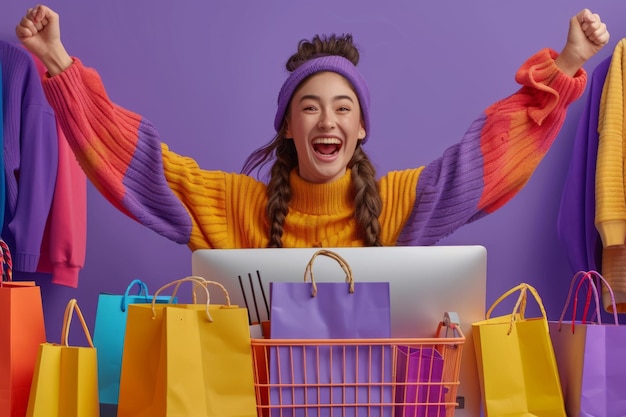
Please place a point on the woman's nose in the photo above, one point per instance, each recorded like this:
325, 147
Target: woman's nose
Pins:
327, 121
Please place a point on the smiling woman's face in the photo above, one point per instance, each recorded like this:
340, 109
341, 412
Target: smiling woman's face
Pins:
324, 121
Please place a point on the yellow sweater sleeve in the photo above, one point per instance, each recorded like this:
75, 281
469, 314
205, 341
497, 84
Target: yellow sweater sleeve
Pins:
226, 209
610, 216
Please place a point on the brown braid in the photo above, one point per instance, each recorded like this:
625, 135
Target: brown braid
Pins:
282, 151
367, 201
279, 191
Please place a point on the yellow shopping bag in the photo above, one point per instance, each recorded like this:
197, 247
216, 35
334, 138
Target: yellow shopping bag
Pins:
65, 382
187, 359
516, 363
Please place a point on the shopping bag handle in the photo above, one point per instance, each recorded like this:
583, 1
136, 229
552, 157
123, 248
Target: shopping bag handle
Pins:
72, 306
6, 263
308, 272
520, 305
599, 277
586, 276
201, 282
143, 289
198, 281
206, 282
591, 290
177, 283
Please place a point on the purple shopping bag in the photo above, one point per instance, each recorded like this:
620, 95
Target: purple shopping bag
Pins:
590, 356
325, 379
419, 380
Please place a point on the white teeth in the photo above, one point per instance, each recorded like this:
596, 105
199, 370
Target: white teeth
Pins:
326, 141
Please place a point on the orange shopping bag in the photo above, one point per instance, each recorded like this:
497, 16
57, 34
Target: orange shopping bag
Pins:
21, 332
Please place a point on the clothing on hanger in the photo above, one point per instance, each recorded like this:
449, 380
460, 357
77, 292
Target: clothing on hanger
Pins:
30, 159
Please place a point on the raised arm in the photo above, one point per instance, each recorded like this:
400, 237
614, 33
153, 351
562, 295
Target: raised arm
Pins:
503, 146
39, 31
119, 150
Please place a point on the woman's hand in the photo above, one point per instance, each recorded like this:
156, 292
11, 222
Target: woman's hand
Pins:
586, 37
39, 31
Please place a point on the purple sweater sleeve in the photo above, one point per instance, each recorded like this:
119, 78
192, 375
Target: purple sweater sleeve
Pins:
30, 156
496, 156
575, 224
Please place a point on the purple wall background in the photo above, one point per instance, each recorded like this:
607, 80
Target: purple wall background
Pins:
207, 74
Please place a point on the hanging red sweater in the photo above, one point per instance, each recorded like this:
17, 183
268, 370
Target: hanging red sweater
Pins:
65, 237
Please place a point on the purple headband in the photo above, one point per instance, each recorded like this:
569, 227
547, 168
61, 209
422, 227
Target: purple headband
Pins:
333, 63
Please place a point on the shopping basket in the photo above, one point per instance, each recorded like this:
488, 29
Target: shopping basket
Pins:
424, 382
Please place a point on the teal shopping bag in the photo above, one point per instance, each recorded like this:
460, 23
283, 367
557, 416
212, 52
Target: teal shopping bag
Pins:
109, 332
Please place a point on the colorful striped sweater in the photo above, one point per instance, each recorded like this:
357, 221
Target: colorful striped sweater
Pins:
122, 154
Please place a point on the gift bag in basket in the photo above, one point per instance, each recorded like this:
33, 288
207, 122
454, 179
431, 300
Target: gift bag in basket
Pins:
65, 382
22, 330
315, 380
516, 363
590, 355
419, 382
187, 359
108, 335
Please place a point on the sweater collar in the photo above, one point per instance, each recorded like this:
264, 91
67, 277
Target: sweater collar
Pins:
331, 199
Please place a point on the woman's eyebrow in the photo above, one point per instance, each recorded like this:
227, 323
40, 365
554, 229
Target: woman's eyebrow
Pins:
317, 98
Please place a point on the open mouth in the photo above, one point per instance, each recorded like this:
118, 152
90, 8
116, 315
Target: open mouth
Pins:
327, 146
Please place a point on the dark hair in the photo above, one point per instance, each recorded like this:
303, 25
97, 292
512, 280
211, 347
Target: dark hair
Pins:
365, 189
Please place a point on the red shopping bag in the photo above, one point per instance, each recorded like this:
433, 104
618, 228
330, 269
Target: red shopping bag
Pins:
21, 332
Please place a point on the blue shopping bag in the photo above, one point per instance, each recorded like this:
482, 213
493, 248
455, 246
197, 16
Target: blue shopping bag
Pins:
109, 332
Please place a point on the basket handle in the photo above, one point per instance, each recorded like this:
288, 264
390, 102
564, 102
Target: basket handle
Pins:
72, 306
308, 272
143, 289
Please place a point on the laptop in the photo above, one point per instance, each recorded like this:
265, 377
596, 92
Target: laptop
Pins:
425, 282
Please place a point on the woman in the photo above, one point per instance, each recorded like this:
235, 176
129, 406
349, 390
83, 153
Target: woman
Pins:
323, 190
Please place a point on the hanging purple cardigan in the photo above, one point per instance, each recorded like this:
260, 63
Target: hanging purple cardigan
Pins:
30, 156
575, 223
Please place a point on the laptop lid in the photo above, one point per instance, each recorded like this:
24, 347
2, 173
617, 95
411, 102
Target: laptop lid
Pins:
425, 282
